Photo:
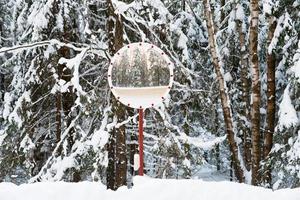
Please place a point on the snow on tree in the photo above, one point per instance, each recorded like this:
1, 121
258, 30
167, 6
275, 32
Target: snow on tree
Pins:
59, 121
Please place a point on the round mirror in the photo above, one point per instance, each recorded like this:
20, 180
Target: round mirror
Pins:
140, 75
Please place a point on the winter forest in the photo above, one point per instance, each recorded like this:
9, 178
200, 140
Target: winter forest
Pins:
233, 112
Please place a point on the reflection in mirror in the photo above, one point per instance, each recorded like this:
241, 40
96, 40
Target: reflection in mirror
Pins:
140, 67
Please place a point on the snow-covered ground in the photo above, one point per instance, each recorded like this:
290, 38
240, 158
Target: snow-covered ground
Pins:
145, 189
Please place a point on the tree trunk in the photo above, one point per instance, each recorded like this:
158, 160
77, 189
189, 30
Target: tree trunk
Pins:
68, 97
216, 127
186, 146
271, 104
110, 171
255, 109
245, 98
183, 5
121, 159
62, 52
223, 94
64, 101
216, 130
117, 166
222, 17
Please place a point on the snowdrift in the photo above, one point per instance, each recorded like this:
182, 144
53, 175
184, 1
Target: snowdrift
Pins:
146, 189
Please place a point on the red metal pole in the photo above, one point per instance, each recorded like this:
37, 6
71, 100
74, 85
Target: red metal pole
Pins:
141, 138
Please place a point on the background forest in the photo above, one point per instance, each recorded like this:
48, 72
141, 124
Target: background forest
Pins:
233, 111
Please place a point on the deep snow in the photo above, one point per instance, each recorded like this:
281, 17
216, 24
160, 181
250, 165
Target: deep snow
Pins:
146, 189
